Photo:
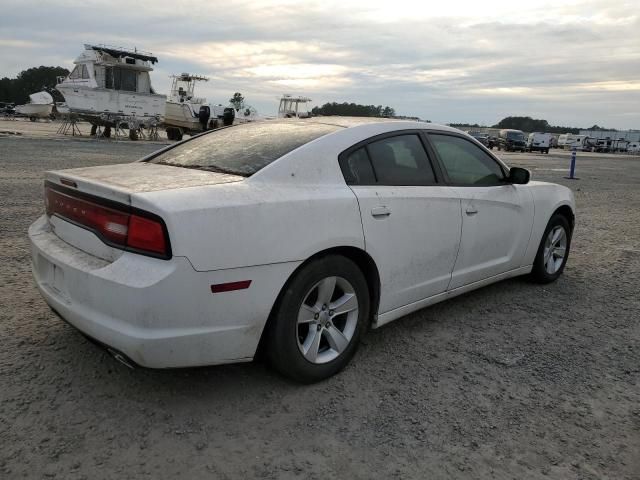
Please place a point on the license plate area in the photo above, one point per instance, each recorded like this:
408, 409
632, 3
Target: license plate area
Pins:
52, 276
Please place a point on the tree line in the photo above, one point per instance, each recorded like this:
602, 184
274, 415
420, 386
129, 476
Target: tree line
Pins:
353, 110
528, 124
36, 79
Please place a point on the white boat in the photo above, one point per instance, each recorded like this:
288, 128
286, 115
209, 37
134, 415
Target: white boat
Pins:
62, 108
39, 106
293, 107
186, 113
111, 84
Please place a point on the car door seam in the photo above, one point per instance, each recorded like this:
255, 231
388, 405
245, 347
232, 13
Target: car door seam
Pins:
532, 223
455, 262
364, 237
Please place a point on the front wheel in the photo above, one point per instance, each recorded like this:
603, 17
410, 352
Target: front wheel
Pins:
553, 251
318, 320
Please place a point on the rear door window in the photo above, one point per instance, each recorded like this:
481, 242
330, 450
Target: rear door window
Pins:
401, 160
357, 169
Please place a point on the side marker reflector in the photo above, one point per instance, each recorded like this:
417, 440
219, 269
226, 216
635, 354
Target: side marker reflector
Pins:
231, 286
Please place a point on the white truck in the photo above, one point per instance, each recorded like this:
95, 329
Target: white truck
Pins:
539, 142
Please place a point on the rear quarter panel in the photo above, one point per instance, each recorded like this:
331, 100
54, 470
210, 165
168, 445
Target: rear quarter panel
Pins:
244, 224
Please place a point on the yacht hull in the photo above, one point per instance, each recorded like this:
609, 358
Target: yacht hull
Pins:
108, 103
34, 110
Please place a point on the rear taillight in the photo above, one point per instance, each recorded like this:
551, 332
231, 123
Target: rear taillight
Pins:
117, 225
146, 234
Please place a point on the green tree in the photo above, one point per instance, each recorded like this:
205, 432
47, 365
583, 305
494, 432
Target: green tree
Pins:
36, 79
353, 110
237, 101
528, 124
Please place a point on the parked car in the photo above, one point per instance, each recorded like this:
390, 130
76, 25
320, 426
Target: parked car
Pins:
539, 142
511, 140
634, 147
7, 109
289, 235
483, 138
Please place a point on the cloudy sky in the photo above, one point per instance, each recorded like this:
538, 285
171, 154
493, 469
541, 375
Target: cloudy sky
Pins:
572, 62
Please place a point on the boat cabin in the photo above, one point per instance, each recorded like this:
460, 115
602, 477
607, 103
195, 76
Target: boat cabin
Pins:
112, 69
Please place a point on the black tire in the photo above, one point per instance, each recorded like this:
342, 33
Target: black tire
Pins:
133, 134
539, 272
282, 329
178, 134
170, 133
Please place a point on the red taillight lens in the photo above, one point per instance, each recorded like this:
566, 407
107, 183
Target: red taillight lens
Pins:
146, 234
115, 225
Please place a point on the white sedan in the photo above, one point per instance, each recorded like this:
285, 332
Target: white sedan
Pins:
294, 236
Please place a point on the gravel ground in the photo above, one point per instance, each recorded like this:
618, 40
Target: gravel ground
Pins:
515, 380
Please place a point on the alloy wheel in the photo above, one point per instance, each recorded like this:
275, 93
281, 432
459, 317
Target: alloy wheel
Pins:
555, 249
327, 320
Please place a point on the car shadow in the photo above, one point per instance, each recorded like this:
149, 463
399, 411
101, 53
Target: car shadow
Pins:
236, 381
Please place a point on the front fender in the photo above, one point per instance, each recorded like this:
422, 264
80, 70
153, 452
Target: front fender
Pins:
547, 199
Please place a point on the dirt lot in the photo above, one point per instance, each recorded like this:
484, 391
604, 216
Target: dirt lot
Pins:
515, 380
44, 128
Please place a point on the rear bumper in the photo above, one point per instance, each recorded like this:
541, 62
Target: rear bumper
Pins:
158, 313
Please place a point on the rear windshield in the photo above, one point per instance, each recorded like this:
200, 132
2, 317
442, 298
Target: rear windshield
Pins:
243, 149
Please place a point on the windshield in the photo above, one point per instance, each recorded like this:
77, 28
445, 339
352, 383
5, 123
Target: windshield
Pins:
515, 136
243, 149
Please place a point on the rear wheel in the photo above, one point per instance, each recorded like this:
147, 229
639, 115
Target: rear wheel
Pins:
318, 321
553, 251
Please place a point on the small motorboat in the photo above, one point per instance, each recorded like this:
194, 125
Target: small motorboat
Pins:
39, 106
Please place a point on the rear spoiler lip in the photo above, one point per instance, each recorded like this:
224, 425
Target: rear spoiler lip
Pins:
99, 191
123, 207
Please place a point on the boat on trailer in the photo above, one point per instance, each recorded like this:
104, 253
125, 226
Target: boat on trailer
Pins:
111, 87
186, 113
39, 106
294, 107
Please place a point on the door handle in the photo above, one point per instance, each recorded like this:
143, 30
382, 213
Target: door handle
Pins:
381, 211
471, 210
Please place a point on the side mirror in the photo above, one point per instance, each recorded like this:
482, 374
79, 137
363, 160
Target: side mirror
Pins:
518, 176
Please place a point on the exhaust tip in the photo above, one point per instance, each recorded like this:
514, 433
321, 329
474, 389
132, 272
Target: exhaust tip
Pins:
121, 358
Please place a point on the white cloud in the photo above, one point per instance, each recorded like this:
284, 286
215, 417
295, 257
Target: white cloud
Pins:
571, 62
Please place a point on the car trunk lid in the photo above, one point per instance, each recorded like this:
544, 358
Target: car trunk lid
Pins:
117, 182
114, 186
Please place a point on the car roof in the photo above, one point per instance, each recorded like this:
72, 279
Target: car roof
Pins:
390, 123
314, 162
